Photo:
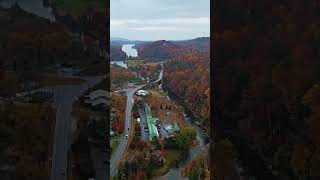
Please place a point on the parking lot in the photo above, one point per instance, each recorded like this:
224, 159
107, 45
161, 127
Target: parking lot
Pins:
143, 124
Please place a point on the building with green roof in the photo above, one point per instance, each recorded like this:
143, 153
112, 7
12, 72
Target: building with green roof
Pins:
151, 122
174, 127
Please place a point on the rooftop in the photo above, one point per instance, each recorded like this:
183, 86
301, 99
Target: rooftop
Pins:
156, 153
153, 131
174, 127
98, 93
100, 101
142, 92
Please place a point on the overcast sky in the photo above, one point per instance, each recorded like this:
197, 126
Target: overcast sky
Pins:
160, 19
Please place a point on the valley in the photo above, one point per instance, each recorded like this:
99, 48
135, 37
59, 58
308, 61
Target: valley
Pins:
157, 98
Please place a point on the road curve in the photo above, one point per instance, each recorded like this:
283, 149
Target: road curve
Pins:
64, 96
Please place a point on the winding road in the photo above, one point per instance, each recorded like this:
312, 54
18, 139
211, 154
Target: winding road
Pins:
115, 159
64, 96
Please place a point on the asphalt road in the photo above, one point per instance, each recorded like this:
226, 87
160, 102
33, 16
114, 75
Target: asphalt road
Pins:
123, 140
63, 99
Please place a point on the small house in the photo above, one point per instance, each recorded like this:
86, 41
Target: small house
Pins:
157, 157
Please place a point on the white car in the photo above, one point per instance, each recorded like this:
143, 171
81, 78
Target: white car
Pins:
127, 136
63, 171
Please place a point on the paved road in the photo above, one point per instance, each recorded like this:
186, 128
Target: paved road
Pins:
123, 140
115, 159
63, 99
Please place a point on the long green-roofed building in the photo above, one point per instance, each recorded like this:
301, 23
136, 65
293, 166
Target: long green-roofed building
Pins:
153, 131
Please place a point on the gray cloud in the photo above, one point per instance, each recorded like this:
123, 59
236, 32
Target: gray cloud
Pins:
160, 19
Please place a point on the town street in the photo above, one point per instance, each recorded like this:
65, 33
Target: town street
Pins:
63, 99
123, 141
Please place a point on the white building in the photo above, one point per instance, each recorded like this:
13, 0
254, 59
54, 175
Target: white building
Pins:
142, 92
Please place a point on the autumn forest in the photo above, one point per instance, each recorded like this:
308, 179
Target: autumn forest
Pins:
266, 89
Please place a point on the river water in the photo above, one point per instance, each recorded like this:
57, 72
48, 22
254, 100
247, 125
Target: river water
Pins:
130, 52
120, 63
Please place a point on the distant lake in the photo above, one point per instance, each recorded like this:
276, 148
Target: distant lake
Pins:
129, 50
32, 6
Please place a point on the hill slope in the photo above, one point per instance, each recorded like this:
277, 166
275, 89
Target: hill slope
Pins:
165, 50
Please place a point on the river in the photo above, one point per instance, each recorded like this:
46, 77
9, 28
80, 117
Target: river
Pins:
130, 52
120, 63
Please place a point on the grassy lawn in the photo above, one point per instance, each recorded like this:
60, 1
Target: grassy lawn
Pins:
77, 7
53, 81
133, 63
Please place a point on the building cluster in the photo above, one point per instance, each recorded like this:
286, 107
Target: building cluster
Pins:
154, 128
98, 99
36, 96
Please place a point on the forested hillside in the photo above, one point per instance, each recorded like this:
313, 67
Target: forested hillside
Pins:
29, 42
120, 76
266, 79
187, 76
26, 135
116, 54
201, 44
165, 50
157, 50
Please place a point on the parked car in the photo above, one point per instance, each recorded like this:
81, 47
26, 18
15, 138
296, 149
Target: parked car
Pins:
63, 171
